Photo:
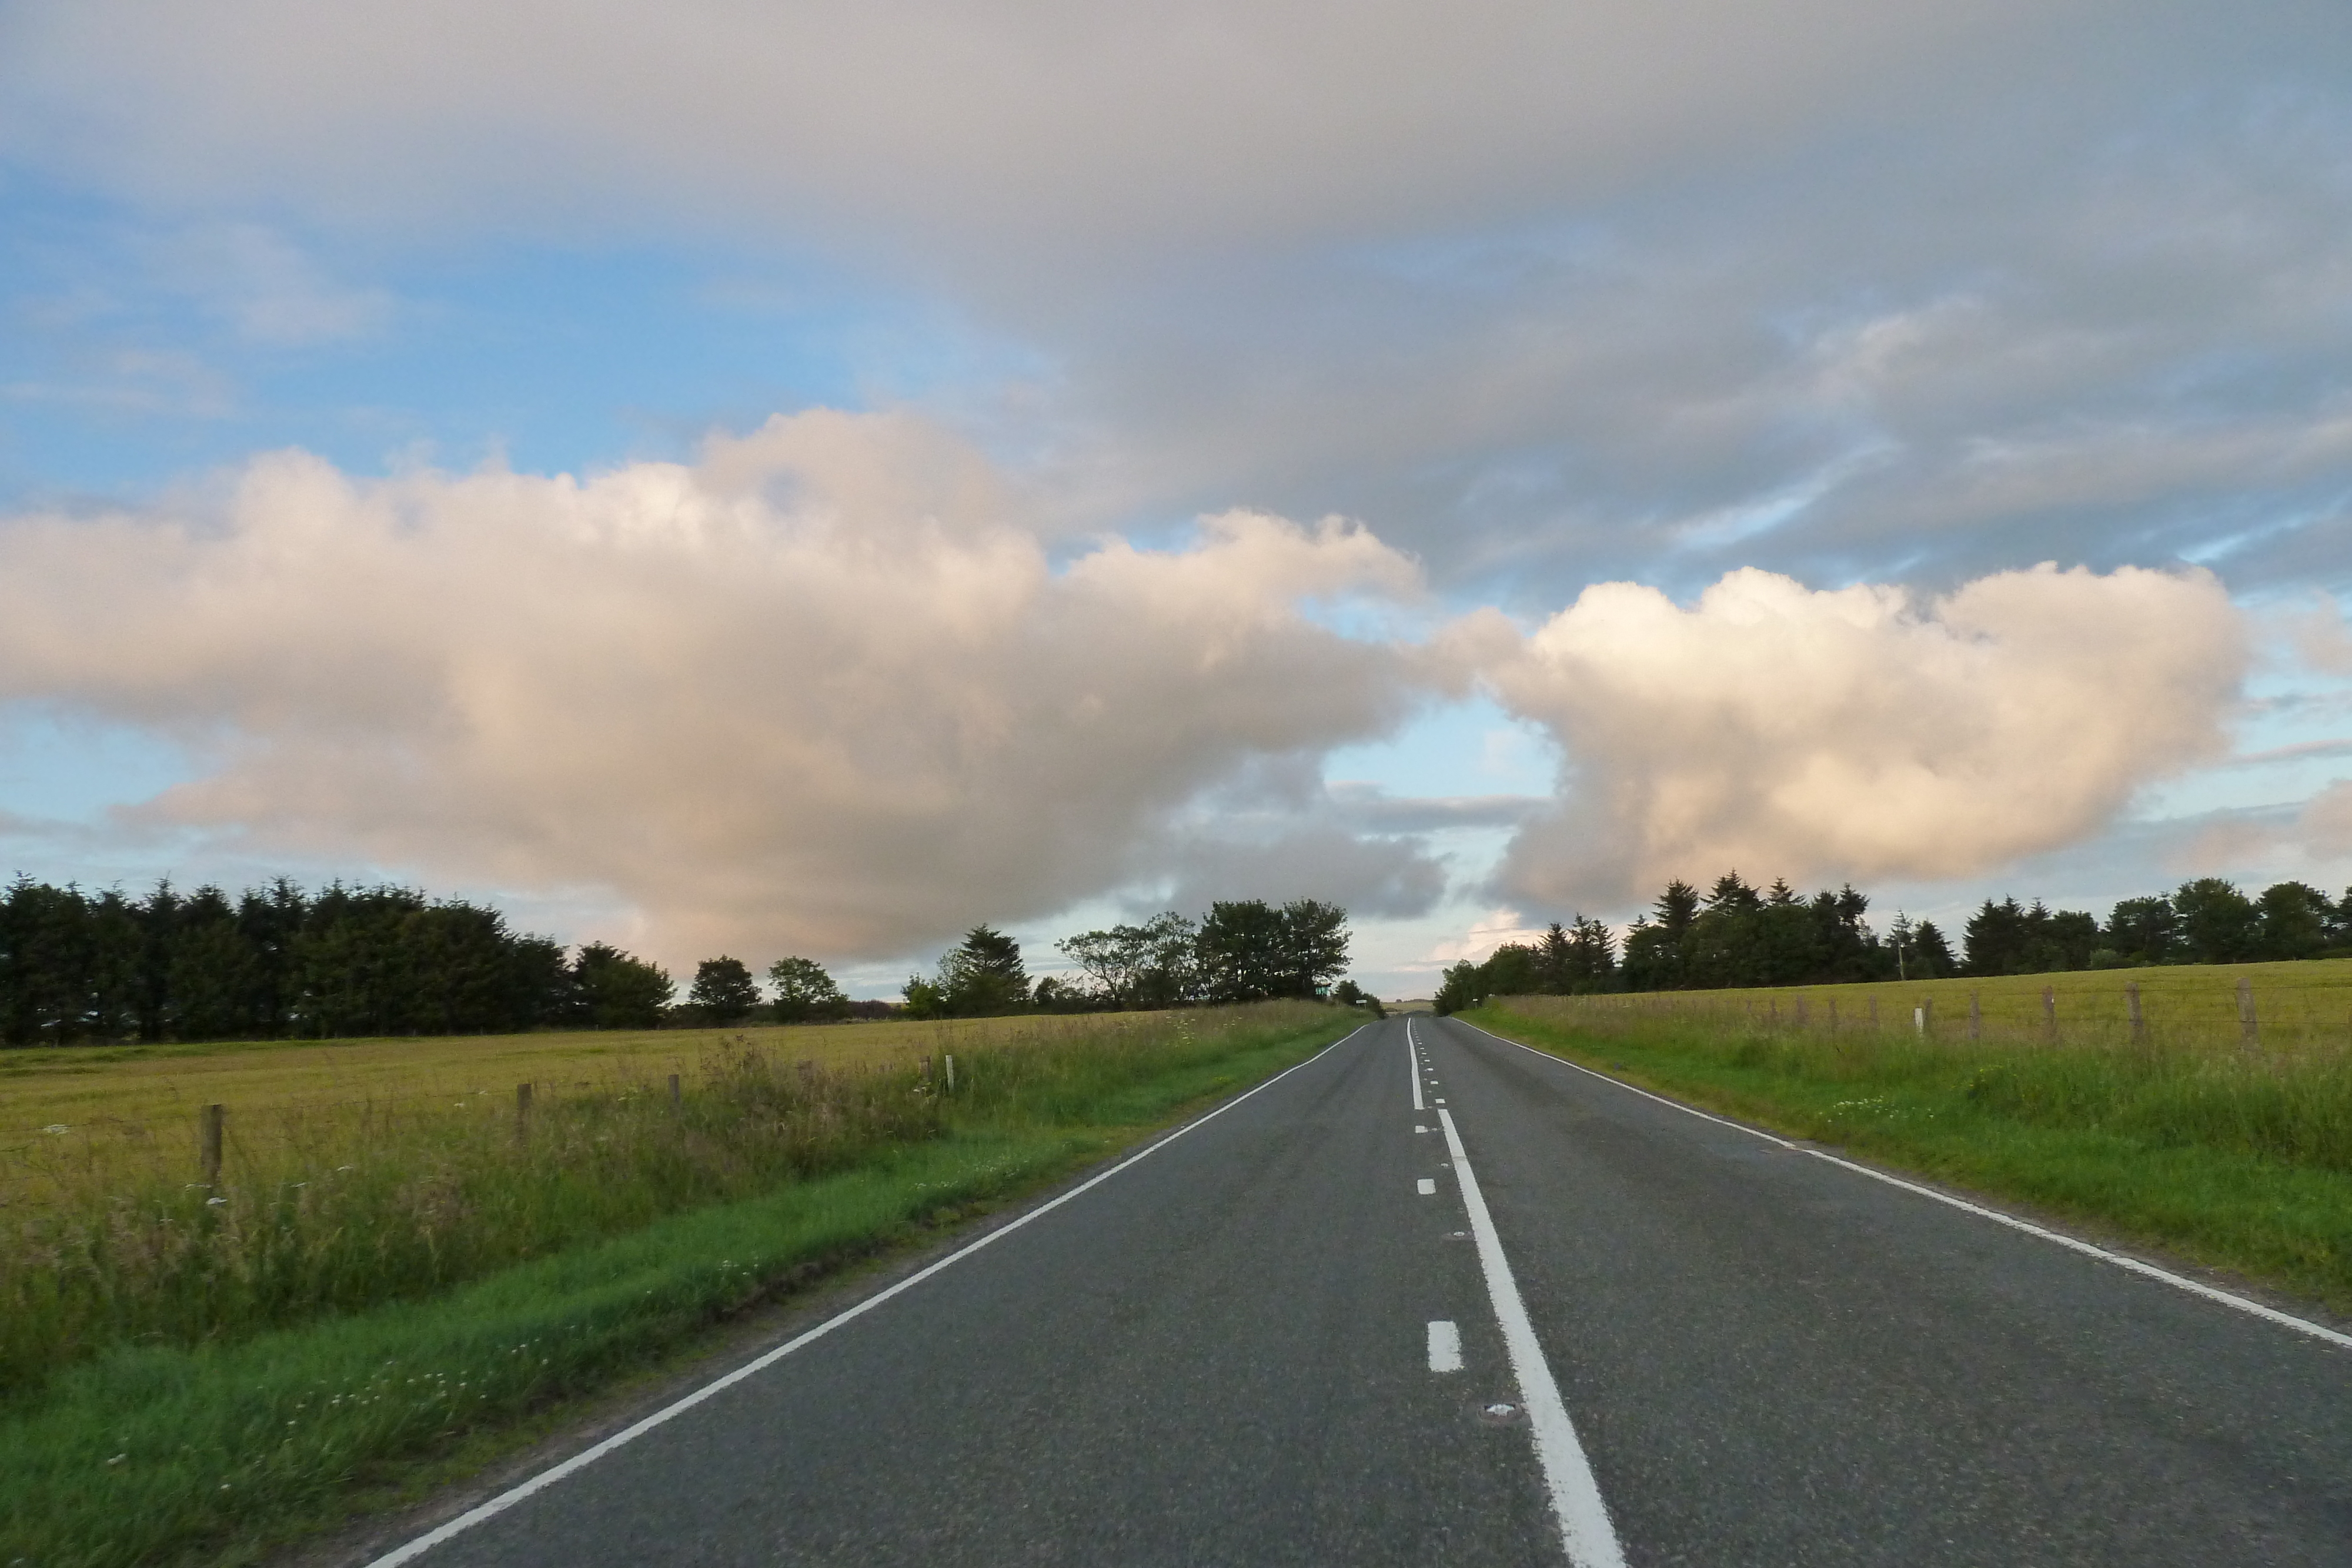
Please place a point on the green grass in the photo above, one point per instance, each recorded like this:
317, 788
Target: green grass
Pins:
215, 1450
2238, 1160
406, 1196
2299, 1005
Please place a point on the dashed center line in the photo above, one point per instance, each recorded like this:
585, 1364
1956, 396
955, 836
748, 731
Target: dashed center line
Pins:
1584, 1524
1444, 1347
1428, 1187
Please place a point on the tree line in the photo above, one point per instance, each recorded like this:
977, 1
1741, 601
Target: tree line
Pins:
1736, 935
280, 961
1240, 951
277, 962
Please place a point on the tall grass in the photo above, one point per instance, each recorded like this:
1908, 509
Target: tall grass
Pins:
2181, 1086
320, 1209
148, 1451
2296, 1006
2184, 1137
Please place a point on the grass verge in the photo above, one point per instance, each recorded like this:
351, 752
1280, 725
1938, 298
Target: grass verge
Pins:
218, 1451
2242, 1163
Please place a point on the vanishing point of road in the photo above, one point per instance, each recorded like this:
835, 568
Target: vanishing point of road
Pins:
1433, 1298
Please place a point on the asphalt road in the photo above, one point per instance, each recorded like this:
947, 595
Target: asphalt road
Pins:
1236, 1350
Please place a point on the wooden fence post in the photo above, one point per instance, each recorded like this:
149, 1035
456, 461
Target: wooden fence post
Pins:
2131, 1011
950, 1060
1833, 1015
1874, 1010
522, 1113
1923, 1017
209, 1125
2248, 1031
1976, 1018
673, 1088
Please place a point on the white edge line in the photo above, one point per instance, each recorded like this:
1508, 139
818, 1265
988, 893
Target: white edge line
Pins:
1576, 1503
2131, 1265
586, 1457
1413, 1059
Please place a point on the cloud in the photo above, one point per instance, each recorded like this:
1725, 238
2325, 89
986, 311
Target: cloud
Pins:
2311, 839
2325, 824
1488, 932
1817, 735
1273, 829
2322, 636
821, 691
1546, 294
991, 123
1371, 877
268, 288
1373, 808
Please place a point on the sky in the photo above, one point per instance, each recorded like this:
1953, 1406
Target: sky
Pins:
810, 478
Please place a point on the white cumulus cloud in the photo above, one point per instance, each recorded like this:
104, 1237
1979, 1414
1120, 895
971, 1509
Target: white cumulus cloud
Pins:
1779, 730
821, 691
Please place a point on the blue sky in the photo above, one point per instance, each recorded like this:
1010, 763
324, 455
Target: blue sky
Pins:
1899, 298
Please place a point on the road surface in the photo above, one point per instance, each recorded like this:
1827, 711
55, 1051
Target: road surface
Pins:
1433, 1298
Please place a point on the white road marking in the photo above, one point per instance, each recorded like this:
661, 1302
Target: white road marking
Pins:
1428, 1187
1419, 1128
2131, 1265
586, 1457
1584, 1526
1413, 1061
1444, 1347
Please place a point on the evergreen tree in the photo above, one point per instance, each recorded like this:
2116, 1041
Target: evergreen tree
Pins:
1677, 908
1552, 960
1932, 953
616, 990
983, 977
1994, 940
1592, 958
723, 991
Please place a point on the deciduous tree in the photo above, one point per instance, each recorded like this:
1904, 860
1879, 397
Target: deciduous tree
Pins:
804, 991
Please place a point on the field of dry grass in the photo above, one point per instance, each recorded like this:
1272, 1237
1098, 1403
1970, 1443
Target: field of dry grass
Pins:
84, 1103
191, 1369
354, 1174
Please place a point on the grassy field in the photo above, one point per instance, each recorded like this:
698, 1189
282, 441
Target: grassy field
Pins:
2183, 1135
240, 1412
2306, 1005
329, 1200
152, 1092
